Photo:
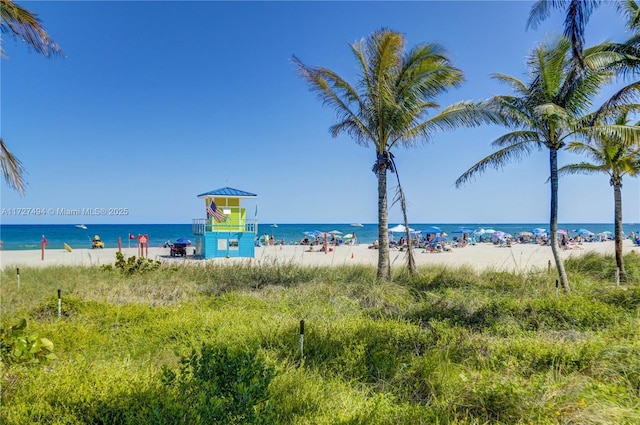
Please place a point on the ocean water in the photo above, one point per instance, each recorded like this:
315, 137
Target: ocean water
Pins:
20, 237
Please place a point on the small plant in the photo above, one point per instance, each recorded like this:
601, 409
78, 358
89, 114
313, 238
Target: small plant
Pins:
224, 386
17, 346
133, 265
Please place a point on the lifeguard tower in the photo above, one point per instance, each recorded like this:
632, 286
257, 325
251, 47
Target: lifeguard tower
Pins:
226, 232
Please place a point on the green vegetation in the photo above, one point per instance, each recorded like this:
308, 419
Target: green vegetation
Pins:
220, 344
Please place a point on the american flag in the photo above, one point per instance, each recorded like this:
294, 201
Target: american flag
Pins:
214, 212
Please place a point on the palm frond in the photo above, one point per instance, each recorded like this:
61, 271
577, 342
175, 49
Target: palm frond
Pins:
624, 134
516, 84
516, 137
12, 169
632, 11
581, 168
591, 150
496, 160
541, 10
335, 92
26, 26
626, 95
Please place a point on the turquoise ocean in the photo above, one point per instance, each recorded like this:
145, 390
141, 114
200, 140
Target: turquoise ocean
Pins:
25, 236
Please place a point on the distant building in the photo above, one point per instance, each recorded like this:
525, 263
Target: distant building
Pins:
226, 231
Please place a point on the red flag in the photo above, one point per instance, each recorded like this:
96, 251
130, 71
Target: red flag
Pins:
132, 236
44, 241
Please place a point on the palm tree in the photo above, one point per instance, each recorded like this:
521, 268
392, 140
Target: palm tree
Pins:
26, 26
544, 114
388, 105
616, 157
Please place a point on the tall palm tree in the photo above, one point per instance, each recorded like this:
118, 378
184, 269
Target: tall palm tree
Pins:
388, 105
544, 113
615, 156
26, 26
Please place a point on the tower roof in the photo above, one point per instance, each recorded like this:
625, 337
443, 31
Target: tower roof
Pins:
228, 192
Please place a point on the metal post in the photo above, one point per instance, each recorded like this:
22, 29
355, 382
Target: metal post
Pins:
302, 339
549, 267
59, 304
18, 276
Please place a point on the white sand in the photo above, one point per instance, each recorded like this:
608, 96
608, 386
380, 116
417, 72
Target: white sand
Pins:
519, 257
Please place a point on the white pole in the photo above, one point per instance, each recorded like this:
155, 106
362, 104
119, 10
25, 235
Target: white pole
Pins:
302, 339
617, 276
59, 304
18, 276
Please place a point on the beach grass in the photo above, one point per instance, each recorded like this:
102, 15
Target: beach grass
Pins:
448, 346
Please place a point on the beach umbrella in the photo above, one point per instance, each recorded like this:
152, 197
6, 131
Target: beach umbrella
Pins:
462, 230
348, 236
183, 241
525, 234
561, 232
538, 231
438, 239
583, 232
432, 229
496, 236
489, 231
399, 229
335, 232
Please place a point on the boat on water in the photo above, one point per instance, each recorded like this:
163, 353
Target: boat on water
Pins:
357, 225
81, 226
274, 225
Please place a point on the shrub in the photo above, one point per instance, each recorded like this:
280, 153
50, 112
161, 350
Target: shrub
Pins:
18, 346
219, 385
132, 264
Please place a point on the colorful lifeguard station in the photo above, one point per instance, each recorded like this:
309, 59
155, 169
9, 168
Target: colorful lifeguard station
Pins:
226, 232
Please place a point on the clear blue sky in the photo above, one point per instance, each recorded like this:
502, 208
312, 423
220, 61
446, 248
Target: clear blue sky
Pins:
157, 102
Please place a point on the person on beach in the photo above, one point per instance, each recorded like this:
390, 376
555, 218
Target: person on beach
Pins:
563, 242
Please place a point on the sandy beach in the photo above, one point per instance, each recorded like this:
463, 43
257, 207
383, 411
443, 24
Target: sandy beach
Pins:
518, 257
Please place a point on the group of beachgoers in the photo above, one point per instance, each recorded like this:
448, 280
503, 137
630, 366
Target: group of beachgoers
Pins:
437, 242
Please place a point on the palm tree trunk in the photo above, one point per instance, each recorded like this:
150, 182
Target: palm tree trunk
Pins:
384, 268
553, 221
617, 196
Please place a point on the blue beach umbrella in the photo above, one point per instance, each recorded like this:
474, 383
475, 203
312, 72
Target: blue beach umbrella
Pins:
462, 230
583, 232
438, 239
183, 241
432, 229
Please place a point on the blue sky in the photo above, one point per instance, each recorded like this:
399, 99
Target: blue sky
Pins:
156, 102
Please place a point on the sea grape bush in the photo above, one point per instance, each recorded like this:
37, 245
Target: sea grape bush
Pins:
133, 265
17, 346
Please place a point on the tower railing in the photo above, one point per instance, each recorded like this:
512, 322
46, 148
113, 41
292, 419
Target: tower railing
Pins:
200, 226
